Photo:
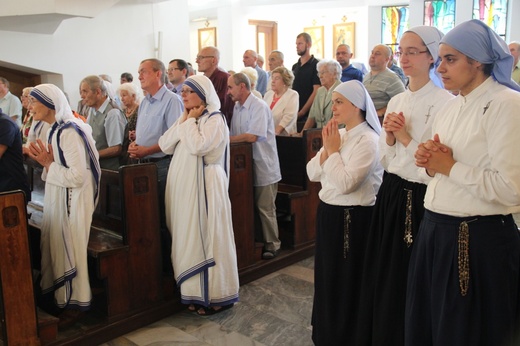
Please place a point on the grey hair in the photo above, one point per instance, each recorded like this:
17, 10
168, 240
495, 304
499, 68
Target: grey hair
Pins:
331, 65
242, 78
95, 82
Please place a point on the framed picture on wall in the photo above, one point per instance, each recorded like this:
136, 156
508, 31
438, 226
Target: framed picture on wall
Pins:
344, 33
316, 33
207, 37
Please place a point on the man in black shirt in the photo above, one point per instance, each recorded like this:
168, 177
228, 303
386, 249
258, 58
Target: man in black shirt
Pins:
306, 80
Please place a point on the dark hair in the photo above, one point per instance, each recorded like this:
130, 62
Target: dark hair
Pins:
128, 76
182, 64
487, 69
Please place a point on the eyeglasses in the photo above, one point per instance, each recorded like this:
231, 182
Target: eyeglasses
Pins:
174, 68
411, 52
200, 57
187, 91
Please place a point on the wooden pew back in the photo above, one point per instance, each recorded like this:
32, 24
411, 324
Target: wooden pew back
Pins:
297, 199
293, 155
18, 303
241, 197
108, 213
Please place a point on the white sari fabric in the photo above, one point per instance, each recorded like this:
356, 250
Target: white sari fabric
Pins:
70, 197
198, 209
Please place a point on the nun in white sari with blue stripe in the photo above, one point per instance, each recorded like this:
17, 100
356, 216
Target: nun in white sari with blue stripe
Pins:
71, 174
198, 209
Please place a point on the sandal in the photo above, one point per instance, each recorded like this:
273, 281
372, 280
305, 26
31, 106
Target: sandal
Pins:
203, 311
194, 307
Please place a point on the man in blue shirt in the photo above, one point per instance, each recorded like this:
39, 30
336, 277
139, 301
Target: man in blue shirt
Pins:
252, 122
250, 59
157, 112
349, 72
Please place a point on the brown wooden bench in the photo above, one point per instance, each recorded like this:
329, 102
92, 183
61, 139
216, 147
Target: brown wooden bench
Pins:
242, 204
297, 199
19, 321
124, 245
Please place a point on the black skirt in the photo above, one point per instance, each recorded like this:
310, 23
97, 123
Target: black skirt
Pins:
464, 282
397, 216
340, 246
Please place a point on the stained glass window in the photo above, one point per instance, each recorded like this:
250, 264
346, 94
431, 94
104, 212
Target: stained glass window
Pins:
395, 23
493, 13
440, 14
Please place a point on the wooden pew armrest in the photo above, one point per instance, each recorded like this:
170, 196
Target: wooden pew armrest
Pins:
292, 191
103, 242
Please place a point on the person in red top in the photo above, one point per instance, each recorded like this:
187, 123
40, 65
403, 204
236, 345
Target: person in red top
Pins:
207, 61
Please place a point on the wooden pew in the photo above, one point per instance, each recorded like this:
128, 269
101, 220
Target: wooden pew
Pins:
19, 321
297, 199
122, 300
242, 204
125, 240
124, 245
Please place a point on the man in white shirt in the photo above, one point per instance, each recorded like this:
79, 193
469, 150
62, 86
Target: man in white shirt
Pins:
10, 104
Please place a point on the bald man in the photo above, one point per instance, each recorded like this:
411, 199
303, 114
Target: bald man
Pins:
381, 83
207, 61
250, 59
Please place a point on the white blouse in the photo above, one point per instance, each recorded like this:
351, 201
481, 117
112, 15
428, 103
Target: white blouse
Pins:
482, 129
352, 176
419, 109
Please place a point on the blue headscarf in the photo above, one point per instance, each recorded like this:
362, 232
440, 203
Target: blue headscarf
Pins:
479, 42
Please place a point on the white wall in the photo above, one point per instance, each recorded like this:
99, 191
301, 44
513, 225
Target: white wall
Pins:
118, 39
233, 36
114, 42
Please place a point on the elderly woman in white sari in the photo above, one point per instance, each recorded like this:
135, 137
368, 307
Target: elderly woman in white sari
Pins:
198, 209
71, 174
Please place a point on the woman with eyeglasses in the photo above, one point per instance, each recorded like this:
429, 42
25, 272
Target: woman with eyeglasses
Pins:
198, 209
399, 207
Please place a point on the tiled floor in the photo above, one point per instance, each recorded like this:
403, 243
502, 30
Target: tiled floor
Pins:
274, 310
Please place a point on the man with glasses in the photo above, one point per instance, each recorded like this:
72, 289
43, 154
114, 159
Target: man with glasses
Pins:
207, 61
381, 83
177, 74
10, 104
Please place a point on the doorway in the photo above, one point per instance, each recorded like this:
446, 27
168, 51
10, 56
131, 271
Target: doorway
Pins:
266, 37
